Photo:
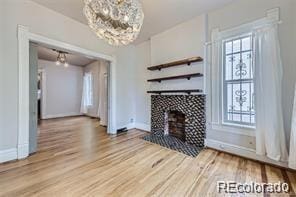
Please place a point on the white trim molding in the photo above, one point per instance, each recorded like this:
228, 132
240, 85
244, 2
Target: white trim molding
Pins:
128, 126
23, 96
140, 126
43, 93
143, 127
50, 116
24, 37
8, 155
241, 151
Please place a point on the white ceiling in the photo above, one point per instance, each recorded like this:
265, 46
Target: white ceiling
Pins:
73, 59
160, 15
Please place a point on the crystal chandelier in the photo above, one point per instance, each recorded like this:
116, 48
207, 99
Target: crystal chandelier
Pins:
117, 21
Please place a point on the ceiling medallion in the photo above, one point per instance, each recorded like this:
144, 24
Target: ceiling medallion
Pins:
117, 21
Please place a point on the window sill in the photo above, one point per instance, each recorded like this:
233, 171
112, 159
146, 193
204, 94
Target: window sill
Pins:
239, 126
234, 129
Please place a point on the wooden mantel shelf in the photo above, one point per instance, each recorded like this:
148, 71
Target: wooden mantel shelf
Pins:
176, 63
188, 76
174, 91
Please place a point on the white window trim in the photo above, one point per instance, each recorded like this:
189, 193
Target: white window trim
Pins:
223, 122
215, 118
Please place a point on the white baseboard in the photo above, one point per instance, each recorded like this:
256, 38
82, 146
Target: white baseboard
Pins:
140, 126
22, 151
130, 126
50, 116
127, 126
8, 155
144, 127
241, 151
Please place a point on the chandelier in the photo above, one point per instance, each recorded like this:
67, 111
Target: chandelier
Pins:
61, 59
116, 21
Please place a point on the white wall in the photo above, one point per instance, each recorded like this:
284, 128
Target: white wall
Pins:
294, 22
62, 90
180, 42
239, 13
2, 115
94, 69
142, 99
46, 22
125, 85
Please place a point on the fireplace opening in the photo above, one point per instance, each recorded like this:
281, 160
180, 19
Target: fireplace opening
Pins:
175, 124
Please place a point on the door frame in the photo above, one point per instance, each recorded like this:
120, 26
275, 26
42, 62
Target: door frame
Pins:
43, 94
24, 38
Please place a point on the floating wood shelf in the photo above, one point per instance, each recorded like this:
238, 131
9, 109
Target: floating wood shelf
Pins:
174, 91
189, 76
176, 63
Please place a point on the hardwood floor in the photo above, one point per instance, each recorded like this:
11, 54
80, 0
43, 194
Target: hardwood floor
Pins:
77, 158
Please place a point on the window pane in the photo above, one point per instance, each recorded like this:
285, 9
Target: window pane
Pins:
245, 97
246, 44
228, 47
236, 46
246, 118
229, 98
246, 66
228, 67
235, 97
238, 82
236, 66
236, 117
252, 119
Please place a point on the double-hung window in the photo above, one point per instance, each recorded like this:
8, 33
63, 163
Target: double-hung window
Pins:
238, 81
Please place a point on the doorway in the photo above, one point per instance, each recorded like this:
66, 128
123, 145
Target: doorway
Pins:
65, 85
24, 37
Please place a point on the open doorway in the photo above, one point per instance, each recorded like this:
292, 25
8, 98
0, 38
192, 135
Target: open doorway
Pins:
65, 85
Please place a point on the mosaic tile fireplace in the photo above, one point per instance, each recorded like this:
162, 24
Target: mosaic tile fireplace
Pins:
178, 122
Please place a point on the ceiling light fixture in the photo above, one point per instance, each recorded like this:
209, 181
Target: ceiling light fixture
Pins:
61, 59
116, 21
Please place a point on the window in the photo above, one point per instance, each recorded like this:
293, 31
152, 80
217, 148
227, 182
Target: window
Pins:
88, 85
238, 81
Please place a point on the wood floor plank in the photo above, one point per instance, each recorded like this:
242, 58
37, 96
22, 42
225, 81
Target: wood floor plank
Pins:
76, 157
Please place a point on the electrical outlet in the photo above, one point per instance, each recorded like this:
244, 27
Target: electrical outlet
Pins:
132, 120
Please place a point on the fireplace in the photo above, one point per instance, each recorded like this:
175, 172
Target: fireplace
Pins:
180, 116
175, 124
178, 122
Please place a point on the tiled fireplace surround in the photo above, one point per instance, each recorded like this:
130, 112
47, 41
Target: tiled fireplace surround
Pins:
167, 112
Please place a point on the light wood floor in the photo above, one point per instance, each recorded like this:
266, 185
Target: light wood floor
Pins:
77, 158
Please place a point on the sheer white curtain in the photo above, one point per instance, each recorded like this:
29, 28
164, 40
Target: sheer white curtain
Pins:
103, 92
292, 153
87, 93
270, 135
